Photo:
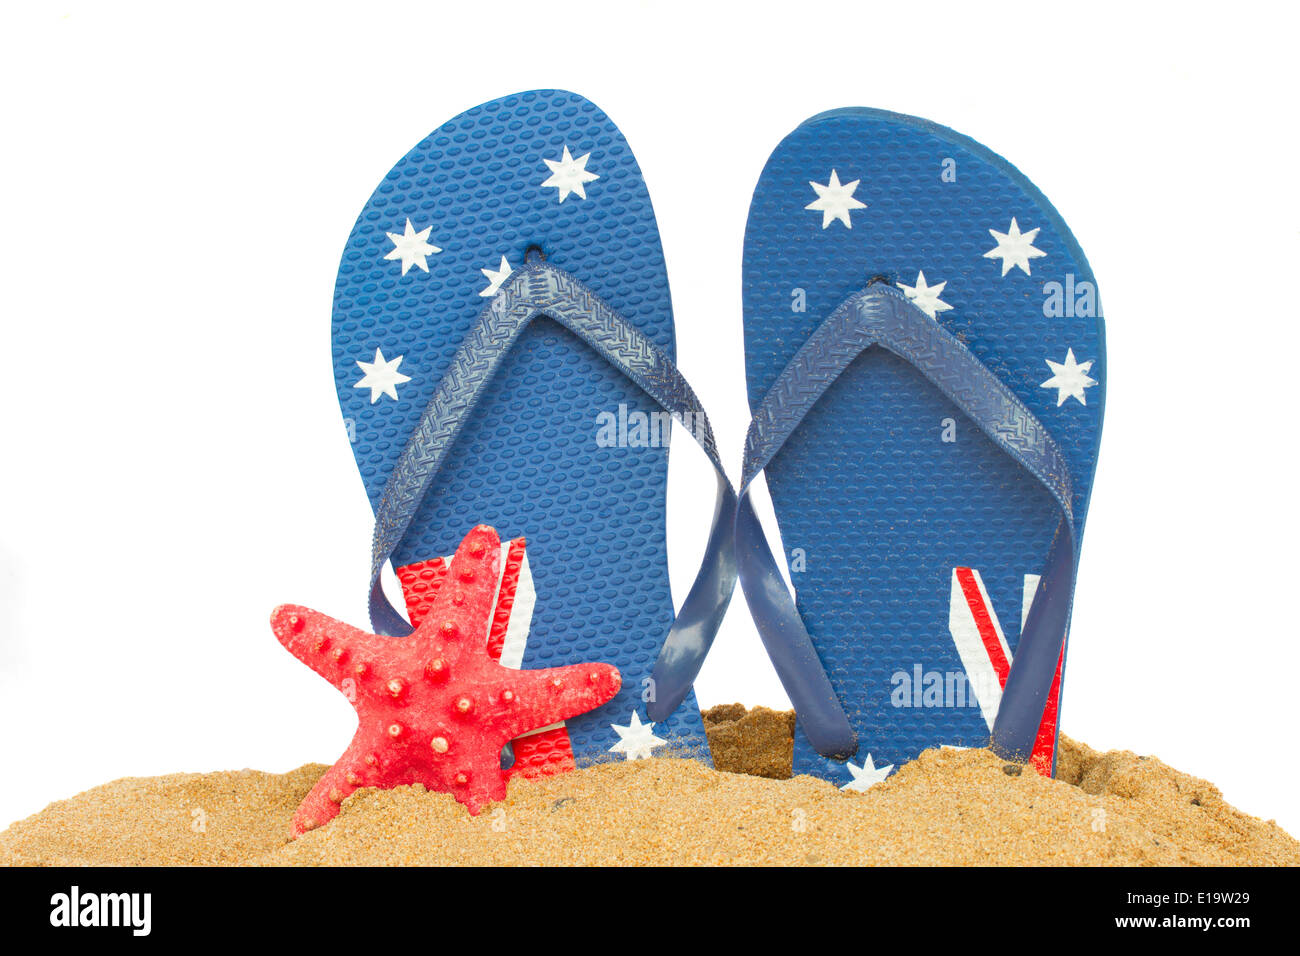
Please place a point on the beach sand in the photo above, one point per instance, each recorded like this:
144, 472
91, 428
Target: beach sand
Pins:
946, 807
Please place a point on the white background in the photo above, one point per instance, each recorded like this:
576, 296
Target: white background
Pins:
177, 189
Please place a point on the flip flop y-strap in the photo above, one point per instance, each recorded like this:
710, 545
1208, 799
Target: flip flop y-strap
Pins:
540, 289
881, 315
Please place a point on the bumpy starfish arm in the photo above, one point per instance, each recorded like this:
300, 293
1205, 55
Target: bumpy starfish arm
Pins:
322, 803
331, 648
558, 693
458, 620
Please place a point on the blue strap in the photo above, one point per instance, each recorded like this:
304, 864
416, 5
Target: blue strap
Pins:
539, 289
880, 315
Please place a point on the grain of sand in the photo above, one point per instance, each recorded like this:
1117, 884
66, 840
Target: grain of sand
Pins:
946, 807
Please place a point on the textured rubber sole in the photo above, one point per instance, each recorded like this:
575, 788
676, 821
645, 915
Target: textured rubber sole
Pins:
912, 539
545, 169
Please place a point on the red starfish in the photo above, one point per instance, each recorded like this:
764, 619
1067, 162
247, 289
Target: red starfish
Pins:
434, 708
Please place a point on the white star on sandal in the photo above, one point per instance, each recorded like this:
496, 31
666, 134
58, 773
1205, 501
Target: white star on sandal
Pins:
636, 740
382, 376
866, 776
496, 277
412, 247
1069, 379
568, 175
835, 200
926, 297
1014, 248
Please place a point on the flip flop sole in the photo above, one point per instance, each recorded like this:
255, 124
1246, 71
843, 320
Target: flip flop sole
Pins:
543, 169
912, 538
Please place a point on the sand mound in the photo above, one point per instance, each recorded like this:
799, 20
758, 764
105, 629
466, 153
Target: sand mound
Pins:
947, 807
757, 741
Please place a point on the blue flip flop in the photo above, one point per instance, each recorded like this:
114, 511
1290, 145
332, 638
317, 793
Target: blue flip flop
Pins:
926, 368
503, 353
